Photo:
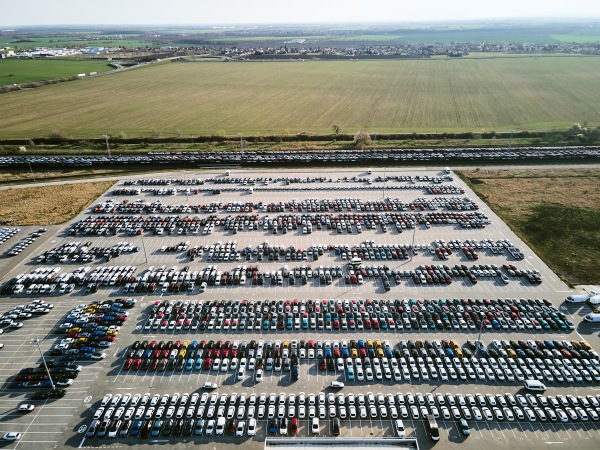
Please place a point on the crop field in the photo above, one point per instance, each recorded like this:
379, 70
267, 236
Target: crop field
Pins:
190, 98
554, 211
28, 70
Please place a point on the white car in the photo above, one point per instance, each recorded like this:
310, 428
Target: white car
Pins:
251, 429
12, 436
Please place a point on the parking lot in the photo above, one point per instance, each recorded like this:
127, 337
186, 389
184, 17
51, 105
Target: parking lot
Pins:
64, 422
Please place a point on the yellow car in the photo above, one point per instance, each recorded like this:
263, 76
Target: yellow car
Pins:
354, 353
511, 353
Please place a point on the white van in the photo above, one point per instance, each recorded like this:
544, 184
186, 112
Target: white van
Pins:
592, 318
577, 298
369, 171
355, 262
535, 385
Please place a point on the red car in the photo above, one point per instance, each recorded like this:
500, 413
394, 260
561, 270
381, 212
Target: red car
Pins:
136, 364
294, 425
127, 364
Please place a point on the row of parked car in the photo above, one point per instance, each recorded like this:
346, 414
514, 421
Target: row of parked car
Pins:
74, 252
183, 225
204, 414
549, 361
364, 157
7, 233
47, 280
23, 243
141, 206
88, 328
370, 314
13, 318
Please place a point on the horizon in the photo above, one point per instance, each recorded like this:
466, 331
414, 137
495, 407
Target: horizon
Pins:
64, 13
539, 20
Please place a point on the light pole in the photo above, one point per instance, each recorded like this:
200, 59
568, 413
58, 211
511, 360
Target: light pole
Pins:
481, 319
105, 136
241, 147
144, 247
31, 170
37, 341
375, 141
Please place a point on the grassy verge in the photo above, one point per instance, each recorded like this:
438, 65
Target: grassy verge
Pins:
23, 176
554, 211
48, 205
86, 147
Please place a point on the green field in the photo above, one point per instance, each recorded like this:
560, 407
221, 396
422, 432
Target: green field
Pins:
280, 97
28, 70
59, 42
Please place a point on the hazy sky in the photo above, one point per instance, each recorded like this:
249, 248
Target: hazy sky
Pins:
73, 12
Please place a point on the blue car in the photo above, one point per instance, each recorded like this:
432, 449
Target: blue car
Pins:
350, 373
135, 428
189, 364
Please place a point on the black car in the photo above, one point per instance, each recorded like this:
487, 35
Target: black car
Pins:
41, 395
146, 428
168, 427
57, 393
188, 427
335, 426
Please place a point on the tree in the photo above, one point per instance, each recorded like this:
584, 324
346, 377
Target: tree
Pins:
336, 129
361, 139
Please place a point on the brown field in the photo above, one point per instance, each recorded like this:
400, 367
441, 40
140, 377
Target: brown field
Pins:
48, 205
554, 211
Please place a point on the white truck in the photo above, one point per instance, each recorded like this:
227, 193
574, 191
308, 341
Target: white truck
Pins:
581, 298
595, 300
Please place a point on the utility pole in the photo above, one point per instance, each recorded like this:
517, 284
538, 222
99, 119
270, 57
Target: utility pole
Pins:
37, 341
105, 136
